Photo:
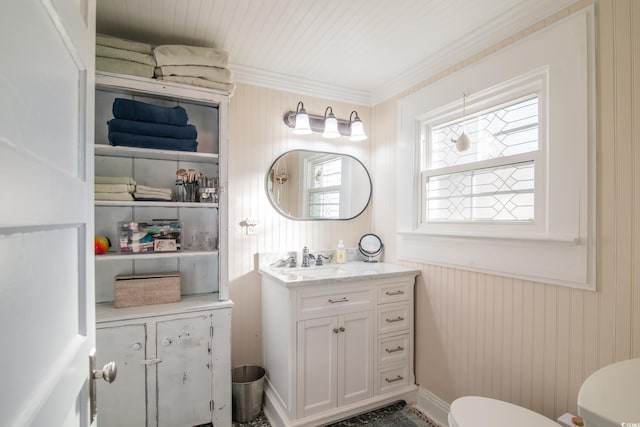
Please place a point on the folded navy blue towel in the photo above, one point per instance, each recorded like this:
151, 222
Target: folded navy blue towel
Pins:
157, 142
141, 111
153, 129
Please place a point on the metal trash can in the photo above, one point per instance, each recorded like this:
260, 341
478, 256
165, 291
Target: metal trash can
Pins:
247, 387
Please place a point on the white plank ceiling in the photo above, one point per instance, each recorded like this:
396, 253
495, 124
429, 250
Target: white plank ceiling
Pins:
357, 50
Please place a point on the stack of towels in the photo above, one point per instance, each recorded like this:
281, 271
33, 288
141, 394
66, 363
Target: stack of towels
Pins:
138, 124
197, 66
122, 56
123, 188
152, 194
120, 188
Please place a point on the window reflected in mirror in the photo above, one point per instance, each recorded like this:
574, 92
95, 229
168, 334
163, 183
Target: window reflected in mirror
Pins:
312, 185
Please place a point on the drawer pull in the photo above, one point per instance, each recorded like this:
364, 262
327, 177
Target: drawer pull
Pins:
397, 319
393, 380
393, 350
335, 301
394, 293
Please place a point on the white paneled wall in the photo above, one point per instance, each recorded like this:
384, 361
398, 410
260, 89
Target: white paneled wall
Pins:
531, 343
257, 136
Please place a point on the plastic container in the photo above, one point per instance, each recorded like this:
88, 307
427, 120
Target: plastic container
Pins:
341, 257
247, 384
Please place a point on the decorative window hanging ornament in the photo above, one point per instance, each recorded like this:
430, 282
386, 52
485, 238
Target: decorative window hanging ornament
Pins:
463, 142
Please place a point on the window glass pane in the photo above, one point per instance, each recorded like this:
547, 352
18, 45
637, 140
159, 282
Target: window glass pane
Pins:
325, 204
504, 193
508, 130
327, 174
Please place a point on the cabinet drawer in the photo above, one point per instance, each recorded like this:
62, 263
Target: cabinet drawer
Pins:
393, 349
313, 304
393, 318
394, 292
392, 378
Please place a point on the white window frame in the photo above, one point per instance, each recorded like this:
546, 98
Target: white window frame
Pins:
309, 165
559, 247
521, 87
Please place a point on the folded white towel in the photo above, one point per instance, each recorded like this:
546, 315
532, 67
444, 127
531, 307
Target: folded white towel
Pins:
122, 66
127, 55
104, 40
114, 188
196, 81
171, 54
215, 74
151, 195
122, 197
144, 188
114, 180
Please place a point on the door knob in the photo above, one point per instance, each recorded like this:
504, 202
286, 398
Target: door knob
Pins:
107, 373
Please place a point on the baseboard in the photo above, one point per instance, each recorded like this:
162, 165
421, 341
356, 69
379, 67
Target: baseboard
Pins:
434, 407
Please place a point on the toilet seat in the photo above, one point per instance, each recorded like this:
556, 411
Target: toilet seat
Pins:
476, 411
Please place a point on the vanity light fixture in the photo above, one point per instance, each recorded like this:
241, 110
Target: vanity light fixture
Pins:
330, 126
302, 121
356, 127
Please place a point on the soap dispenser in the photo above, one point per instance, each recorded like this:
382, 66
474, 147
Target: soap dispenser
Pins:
340, 254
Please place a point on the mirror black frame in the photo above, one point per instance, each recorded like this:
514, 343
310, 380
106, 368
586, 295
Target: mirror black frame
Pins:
281, 212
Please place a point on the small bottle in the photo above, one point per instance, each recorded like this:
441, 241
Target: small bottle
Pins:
340, 254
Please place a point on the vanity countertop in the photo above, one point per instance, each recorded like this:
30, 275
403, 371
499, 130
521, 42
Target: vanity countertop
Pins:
335, 273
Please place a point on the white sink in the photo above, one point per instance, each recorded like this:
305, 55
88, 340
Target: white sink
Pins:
332, 272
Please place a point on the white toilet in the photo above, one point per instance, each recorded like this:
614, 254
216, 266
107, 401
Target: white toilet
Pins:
476, 411
610, 397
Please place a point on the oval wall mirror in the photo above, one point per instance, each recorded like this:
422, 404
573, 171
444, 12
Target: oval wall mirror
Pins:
314, 185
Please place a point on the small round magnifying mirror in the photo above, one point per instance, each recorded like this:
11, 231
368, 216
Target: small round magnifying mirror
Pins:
370, 246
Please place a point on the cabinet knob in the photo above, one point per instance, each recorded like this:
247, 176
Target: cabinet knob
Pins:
341, 328
136, 346
336, 330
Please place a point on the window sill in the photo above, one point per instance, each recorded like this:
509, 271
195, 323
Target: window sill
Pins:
558, 240
555, 261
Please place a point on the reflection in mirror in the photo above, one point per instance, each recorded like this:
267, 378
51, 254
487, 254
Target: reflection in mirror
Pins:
314, 185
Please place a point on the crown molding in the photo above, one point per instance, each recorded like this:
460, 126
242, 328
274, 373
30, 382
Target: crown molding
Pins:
271, 80
508, 24
518, 18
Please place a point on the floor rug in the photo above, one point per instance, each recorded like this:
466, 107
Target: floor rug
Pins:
396, 415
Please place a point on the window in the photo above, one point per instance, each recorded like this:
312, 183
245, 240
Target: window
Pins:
494, 180
521, 201
325, 187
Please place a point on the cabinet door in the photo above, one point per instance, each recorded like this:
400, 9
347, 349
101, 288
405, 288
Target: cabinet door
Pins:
355, 357
184, 373
124, 402
317, 365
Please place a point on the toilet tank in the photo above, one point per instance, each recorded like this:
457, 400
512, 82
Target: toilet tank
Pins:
610, 397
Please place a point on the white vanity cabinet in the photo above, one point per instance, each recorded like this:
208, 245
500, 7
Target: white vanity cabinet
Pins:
167, 358
173, 359
335, 348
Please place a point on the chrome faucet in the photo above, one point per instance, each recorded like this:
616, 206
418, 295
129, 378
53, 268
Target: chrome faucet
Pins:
305, 257
288, 262
319, 258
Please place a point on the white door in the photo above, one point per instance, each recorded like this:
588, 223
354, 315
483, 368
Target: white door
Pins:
184, 375
317, 365
123, 403
355, 357
46, 221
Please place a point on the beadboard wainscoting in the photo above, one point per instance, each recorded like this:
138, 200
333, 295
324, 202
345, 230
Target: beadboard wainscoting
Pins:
257, 136
529, 343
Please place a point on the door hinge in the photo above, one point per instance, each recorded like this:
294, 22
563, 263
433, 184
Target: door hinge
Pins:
211, 331
211, 406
